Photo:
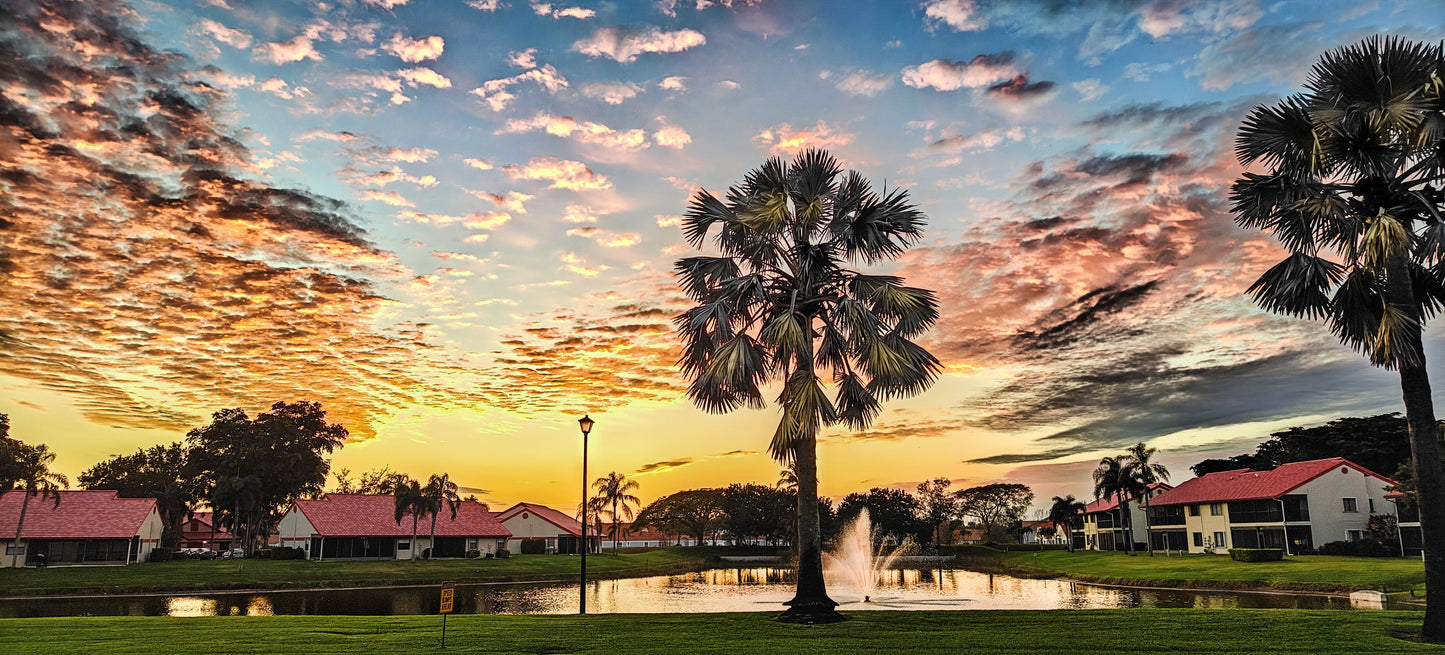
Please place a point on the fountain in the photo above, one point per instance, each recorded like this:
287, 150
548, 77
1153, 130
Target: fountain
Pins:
854, 561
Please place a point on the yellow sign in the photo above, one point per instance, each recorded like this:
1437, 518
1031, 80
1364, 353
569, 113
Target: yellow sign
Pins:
447, 595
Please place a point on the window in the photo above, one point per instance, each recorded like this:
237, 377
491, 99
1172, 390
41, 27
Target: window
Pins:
1219, 541
1355, 535
1194, 510
1199, 539
1372, 505
403, 545
12, 549
1350, 505
1216, 509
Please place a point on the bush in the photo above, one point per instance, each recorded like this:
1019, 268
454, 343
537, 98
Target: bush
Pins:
286, 552
1256, 554
533, 546
1361, 548
474, 554
160, 554
503, 553
263, 553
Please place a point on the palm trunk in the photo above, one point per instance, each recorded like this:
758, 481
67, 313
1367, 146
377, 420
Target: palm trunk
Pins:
432, 540
1126, 523
614, 526
1148, 527
811, 604
414, 518
1425, 451
24, 505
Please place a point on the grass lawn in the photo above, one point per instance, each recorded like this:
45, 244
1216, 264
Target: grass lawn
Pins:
191, 575
1072, 631
1305, 572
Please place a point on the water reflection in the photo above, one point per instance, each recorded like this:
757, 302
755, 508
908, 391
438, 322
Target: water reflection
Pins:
716, 590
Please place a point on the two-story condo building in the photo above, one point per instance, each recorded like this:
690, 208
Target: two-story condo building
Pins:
1296, 506
1104, 524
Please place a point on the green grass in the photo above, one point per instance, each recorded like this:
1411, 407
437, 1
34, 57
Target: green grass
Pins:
193, 575
1306, 572
1071, 631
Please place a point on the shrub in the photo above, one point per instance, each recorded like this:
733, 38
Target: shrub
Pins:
503, 553
474, 554
1256, 554
1361, 548
533, 547
263, 553
159, 554
286, 552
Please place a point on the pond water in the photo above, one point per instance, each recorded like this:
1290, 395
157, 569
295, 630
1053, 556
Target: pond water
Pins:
716, 590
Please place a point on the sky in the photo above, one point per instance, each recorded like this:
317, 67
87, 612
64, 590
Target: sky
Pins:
453, 223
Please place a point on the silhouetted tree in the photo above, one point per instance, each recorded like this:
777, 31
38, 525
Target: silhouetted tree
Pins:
1064, 513
695, 513
30, 467
997, 504
441, 494
157, 472
939, 508
894, 514
615, 491
1379, 443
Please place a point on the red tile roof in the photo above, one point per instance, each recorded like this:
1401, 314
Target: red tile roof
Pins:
363, 515
1247, 484
1112, 502
203, 531
81, 515
565, 523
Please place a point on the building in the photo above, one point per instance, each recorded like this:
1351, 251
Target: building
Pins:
1041, 532
87, 527
541, 529
365, 526
200, 532
631, 535
1296, 506
1103, 523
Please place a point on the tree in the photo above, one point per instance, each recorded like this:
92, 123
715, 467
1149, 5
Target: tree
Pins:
1063, 513
1379, 443
1111, 478
344, 483
939, 508
614, 490
695, 513
779, 304
157, 472
380, 482
1352, 168
1144, 472
441, 493
33, 477
269, 462
753, 511
410, 499
894, 514
997, 504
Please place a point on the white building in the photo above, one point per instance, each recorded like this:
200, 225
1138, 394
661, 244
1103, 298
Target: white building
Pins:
1313, 502
541, 529
87, 527
1104, 523
365, 526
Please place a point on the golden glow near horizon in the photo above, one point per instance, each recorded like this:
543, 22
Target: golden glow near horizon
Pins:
454, 226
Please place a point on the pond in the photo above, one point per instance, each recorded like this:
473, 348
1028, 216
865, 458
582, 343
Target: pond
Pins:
717, 590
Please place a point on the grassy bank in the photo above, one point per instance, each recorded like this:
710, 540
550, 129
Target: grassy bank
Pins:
1304, 573
194, 575
1073, 631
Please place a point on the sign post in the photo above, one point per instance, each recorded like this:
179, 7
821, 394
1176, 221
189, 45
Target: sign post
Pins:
448, 596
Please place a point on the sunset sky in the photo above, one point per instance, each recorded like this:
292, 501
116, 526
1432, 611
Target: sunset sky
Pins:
453, 223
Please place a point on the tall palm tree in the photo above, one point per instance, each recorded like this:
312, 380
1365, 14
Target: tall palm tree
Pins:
1111, 479
411, 498
1145, 474
441, 493
1352, 170
1063, 513
780, 304
787, 481
613, 490
34, 478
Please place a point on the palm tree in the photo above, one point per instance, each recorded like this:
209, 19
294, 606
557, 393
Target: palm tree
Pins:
1353, 171
1145, 473
411, 498
787, 481
1062, 514
613, 490
1111, 479
33, 477
441, 493
780, 304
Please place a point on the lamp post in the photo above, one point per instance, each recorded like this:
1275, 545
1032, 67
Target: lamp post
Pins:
586, 424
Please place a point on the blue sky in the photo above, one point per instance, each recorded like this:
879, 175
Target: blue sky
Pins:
453, 223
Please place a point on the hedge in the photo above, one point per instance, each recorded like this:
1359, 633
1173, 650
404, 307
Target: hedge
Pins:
1256, 554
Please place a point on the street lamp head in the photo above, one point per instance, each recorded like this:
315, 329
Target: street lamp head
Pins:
586, 422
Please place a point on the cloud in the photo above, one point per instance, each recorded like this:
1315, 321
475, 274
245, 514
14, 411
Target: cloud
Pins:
612, 93
230, 36
562, 173
1270, 53
581, 214
479, 164
673, 83
497, 93
285, 52
606, 238
660, 467
389, 197
1091, 89
314, 134
583, 131
782, 139
486, 5
624, 44
414, 51
983, 140
149, 279
959, 15
946, 75
422, 75
513, 201
1020, 89
672, 136
864, 83
547, 9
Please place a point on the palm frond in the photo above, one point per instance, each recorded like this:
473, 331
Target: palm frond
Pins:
703, 210
857, 406
898, 367
1298, 286
805, 410
1355, 310
785, 337
1281, 137
1385, 240
700, 276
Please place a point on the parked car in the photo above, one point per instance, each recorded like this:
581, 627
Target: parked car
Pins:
234, 553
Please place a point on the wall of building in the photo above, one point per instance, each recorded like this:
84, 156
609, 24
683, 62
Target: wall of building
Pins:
295, 531
1328, 520
527, 525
